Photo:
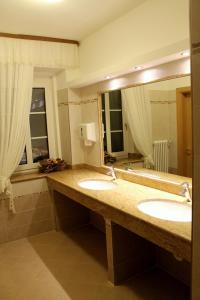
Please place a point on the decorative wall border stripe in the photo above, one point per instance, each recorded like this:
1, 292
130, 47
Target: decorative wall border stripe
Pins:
163, 101
95, 100
78, 102
89, 101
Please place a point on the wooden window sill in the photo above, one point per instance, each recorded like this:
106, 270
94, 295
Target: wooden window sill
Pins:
27, 177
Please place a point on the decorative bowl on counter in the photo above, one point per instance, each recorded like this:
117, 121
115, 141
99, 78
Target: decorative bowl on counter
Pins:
52, 165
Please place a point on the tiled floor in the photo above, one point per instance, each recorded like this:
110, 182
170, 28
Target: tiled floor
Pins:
56, 266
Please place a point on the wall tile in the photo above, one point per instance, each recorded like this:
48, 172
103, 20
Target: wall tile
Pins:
32, 201
30, 187
62, 95
34, 214
3, 233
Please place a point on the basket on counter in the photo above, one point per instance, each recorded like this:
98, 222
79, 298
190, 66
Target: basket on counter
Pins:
52, 165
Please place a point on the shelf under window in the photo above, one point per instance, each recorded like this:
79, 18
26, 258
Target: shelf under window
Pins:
38, 113
116, 131
39, 137
115, 109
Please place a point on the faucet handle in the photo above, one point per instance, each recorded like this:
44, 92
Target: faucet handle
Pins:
185, 185
186, 191
112, 172
109, 173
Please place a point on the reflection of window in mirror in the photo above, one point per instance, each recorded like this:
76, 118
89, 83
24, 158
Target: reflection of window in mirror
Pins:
112, 118
116, 138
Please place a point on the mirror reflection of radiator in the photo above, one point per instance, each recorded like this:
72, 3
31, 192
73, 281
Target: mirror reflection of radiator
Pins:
161, 155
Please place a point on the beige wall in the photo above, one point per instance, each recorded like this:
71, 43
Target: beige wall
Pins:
90, 113
75, 116
153, 30
70, 118
64, 124
74, 109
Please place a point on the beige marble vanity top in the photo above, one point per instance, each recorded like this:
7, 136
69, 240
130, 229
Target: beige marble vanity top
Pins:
124, 198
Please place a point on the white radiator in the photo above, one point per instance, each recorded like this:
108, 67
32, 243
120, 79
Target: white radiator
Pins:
161, 155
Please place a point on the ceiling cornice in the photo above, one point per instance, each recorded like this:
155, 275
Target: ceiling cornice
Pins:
38, 38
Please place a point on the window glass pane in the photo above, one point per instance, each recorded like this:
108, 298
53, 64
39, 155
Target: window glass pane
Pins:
38, 100
38, 125
104, 120
116, 120
24, 158
117, 141
103, 101
105, 143
40, 149
115, 99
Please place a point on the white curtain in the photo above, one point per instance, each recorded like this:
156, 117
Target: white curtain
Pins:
15, 100
39, 53
138, 112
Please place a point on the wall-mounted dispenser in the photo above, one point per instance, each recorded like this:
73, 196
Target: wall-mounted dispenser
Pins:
88, 133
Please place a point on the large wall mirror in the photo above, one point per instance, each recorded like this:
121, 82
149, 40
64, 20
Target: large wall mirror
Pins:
149, 126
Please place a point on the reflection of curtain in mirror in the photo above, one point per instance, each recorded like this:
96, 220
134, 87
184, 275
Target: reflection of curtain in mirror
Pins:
138, 112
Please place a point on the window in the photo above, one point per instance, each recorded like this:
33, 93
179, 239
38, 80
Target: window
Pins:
40, 142
38, 126
112, 119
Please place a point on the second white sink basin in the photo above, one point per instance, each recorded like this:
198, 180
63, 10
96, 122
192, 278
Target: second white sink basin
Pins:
166, 210
97, 184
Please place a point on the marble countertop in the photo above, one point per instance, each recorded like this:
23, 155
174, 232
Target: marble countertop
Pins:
125, 198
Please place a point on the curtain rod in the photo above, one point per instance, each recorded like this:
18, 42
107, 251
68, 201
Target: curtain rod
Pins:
38, 38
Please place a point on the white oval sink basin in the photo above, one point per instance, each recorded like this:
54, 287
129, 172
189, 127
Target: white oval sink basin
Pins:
97, 184
166, 210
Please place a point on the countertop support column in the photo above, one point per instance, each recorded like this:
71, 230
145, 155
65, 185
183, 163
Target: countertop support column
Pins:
127, 253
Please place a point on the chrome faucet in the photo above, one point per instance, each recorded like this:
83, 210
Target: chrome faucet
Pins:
186, 191
112, 173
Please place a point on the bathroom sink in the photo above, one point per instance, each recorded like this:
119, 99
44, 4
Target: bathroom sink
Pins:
97, 184
166, 210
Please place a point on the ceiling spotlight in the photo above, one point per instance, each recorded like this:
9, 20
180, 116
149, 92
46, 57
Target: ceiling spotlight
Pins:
52, 1
137, 67
108, 77
185, 53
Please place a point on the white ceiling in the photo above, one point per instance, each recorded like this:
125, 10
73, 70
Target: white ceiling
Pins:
71, 19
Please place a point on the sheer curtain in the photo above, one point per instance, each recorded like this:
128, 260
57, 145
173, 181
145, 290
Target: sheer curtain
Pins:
15, 100
39, 53
138, 113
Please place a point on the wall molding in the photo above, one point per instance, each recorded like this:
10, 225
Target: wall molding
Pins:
162, 101
86, 101
38, 38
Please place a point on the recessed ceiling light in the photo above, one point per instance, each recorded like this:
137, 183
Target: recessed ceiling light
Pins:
108, 77
137, 67
185, 53
52, 1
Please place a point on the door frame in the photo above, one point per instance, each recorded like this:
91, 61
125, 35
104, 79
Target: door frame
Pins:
180, 95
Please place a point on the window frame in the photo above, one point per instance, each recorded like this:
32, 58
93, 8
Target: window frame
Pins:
108, 131
47, 84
